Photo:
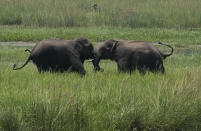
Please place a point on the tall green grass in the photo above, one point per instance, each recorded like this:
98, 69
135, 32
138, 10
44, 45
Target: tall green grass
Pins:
123, 13
101, 101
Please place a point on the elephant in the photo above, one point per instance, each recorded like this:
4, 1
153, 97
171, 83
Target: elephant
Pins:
132, 55
58, 55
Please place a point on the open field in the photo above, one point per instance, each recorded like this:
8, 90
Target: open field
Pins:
107, 100
101, 101
118, 13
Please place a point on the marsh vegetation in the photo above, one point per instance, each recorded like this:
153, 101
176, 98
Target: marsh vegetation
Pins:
126, 13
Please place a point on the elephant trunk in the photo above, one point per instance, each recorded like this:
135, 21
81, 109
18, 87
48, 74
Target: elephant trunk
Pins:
96, 61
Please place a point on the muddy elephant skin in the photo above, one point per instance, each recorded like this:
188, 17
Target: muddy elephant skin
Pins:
59, 55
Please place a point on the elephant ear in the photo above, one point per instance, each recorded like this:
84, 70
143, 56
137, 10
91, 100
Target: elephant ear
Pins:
79, 44
114, 46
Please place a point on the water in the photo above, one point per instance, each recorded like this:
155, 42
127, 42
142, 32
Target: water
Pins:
192, 49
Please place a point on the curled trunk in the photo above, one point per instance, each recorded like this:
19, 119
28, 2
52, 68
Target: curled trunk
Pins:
96, 61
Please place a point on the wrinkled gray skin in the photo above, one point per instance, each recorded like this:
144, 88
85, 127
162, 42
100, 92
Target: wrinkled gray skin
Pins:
60, 55
132, 55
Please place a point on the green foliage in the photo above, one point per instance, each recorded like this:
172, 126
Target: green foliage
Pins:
118, 13
100, 101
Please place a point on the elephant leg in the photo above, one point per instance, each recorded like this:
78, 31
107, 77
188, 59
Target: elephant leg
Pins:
77, 66
159, 67
132, 64
39, 69
42, 69
142, 70
41, 66
162, 69
123, 65
142, 66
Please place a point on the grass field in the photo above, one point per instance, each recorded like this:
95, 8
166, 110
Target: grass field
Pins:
117, 13
107, 100
101, 101
181, 38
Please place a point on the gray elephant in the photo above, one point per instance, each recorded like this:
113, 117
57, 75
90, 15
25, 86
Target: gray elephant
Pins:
132, 55
60, 55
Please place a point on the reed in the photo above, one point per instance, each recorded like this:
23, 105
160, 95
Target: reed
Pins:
118, 13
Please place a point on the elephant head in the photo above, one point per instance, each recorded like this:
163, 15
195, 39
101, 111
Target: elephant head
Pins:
85, 48
105, 51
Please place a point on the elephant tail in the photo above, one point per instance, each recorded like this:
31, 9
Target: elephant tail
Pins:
27, 50
15, 68
166, 55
